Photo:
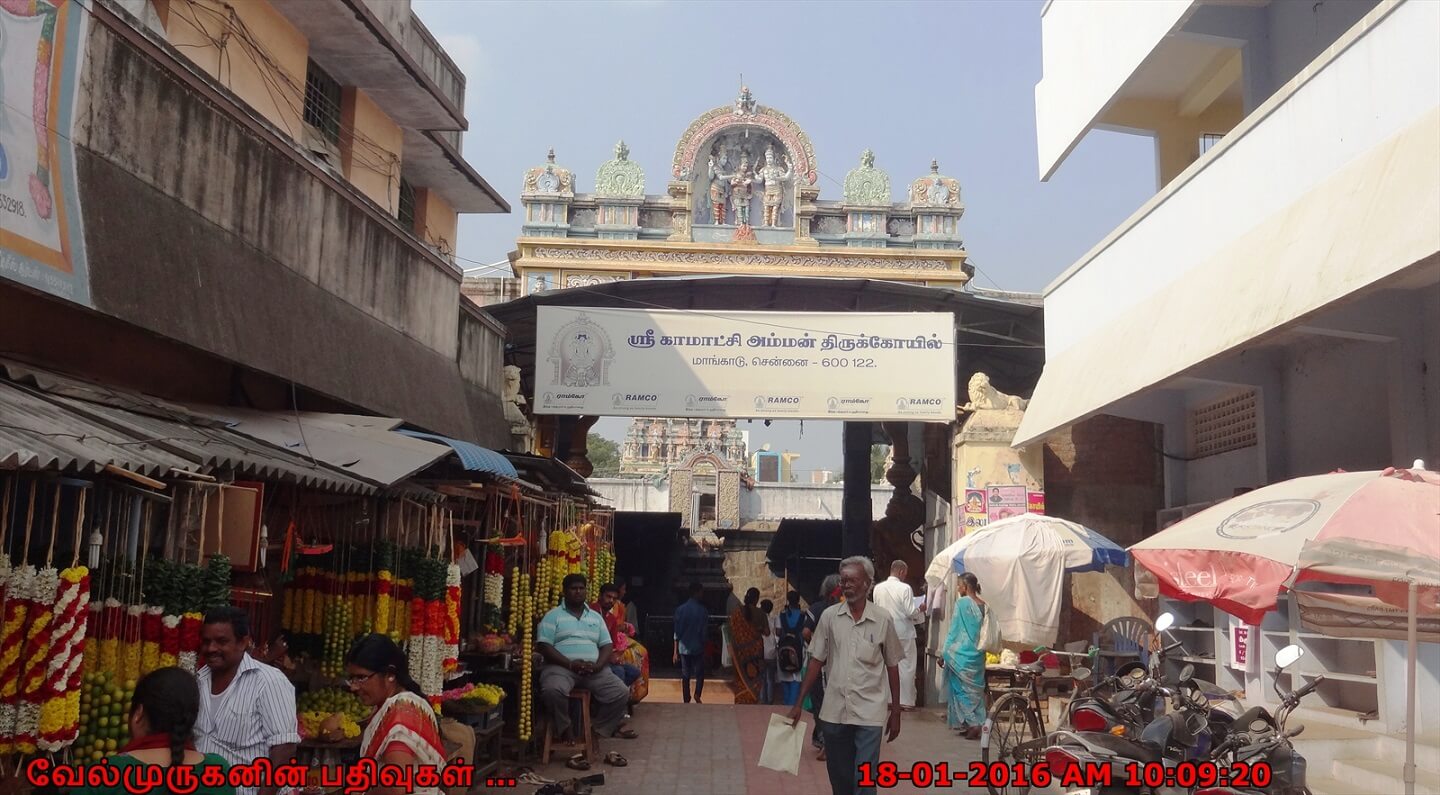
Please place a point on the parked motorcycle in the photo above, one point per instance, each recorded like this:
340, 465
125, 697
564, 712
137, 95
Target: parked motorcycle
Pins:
1145, 723
1261, 743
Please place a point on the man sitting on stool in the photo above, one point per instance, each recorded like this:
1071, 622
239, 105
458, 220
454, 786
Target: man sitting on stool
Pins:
575, 645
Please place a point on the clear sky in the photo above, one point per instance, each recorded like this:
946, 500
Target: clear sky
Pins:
953, 81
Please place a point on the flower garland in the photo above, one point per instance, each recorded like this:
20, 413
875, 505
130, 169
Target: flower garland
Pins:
384, 601
12, 641
65, 636
130, 642
189, 640
169, 641
109, 651
452, 617
32, 669
152, 628
74, 669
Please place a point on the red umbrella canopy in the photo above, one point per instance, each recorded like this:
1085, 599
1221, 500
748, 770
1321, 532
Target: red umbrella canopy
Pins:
1239, 554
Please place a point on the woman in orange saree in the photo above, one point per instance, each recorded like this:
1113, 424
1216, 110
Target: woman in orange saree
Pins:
631, 651
747, 628
403, 731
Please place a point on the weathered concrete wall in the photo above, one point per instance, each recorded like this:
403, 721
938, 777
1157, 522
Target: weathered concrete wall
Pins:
213, 237
746, 569
1106, 474
204, 161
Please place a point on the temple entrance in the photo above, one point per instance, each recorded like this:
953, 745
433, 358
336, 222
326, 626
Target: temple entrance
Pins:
700, 512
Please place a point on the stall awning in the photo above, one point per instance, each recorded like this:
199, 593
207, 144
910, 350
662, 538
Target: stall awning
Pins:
472, 456
61, 430
38, 434
364, 449
1369, 221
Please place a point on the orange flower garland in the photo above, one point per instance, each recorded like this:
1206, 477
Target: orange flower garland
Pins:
12, 642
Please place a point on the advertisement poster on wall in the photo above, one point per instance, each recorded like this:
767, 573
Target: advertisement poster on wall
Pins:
1004, 502
972, 513
598, 361
42, 244
1035, 503
1242, 637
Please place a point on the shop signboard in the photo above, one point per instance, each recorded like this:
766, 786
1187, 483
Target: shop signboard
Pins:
42, 244
863, 366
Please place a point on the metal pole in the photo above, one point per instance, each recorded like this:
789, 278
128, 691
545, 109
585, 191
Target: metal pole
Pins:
1412, 638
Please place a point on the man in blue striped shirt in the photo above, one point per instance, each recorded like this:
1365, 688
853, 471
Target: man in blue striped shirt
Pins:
575, 644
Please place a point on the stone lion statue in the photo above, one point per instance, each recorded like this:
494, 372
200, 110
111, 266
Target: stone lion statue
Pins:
985, 396
512, 401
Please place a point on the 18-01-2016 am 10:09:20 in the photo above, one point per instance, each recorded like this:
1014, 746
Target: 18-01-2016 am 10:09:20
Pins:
1070, 775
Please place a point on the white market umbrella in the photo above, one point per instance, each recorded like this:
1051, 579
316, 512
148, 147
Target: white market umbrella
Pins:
1020, 563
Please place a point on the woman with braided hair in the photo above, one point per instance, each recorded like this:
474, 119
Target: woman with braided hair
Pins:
162, 724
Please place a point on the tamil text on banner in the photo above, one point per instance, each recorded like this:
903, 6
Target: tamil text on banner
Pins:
973, 514
41, 241
784, 365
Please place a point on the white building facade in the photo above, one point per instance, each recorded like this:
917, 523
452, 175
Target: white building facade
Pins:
1275, 307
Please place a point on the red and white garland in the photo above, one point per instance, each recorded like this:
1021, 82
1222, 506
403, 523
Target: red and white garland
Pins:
58, 727
12, 640
32, 668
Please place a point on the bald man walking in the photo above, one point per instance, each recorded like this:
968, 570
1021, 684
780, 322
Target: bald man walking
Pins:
896, 597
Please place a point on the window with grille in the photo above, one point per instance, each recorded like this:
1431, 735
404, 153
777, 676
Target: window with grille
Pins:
406, 212
1208, 140
1224, 425
322, 102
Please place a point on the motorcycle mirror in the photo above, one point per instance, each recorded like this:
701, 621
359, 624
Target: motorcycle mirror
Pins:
1187, 673
1164, 622
1287, 656
1079, 674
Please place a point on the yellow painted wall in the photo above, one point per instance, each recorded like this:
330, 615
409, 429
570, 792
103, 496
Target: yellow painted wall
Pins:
273, 83
435, 219
370, 145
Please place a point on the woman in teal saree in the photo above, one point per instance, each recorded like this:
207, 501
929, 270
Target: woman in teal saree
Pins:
964, 662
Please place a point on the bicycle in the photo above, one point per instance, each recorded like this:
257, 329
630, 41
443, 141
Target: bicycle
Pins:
1014, 732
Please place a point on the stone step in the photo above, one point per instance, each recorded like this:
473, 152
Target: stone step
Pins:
1382, 777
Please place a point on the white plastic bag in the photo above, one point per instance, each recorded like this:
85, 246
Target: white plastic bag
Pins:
783, 744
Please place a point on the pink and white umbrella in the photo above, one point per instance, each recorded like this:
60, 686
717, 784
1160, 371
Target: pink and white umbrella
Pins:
1238, 555
1387, 538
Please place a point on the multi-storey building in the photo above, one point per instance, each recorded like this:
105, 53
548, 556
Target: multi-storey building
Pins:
244, 203
1275, 307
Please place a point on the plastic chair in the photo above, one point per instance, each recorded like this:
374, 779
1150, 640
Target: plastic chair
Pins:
1122, 640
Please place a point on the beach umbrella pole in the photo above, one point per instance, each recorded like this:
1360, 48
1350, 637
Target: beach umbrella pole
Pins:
1412, 640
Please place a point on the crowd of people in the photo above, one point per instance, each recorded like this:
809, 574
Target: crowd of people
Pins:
848, 660
236, 710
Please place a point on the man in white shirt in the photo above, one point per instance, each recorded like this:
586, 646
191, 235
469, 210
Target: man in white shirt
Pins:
895, 596
247, 708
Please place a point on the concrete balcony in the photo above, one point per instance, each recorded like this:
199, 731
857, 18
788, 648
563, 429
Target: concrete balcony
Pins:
208, 226
1371, 85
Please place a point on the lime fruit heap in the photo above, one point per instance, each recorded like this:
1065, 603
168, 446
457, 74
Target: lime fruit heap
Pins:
104, 717
319, 706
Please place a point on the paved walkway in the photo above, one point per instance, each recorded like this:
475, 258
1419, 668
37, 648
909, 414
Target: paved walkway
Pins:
714, 749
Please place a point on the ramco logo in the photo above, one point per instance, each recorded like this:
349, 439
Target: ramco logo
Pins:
777, 400
904, 404
644, 398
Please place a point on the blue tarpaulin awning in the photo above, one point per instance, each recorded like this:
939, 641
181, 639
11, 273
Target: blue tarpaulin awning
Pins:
472, 456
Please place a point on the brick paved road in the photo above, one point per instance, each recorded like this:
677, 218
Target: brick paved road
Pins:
713, 749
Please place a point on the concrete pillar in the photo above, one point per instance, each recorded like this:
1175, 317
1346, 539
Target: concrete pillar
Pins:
856, 516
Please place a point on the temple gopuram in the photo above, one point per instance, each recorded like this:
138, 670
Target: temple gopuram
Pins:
742, 198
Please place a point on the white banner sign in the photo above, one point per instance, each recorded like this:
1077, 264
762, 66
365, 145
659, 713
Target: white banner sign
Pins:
786, 365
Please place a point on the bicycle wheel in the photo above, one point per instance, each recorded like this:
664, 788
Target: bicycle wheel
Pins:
1011, 723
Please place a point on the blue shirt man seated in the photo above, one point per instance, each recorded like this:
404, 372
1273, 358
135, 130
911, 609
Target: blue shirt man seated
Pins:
576, 647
